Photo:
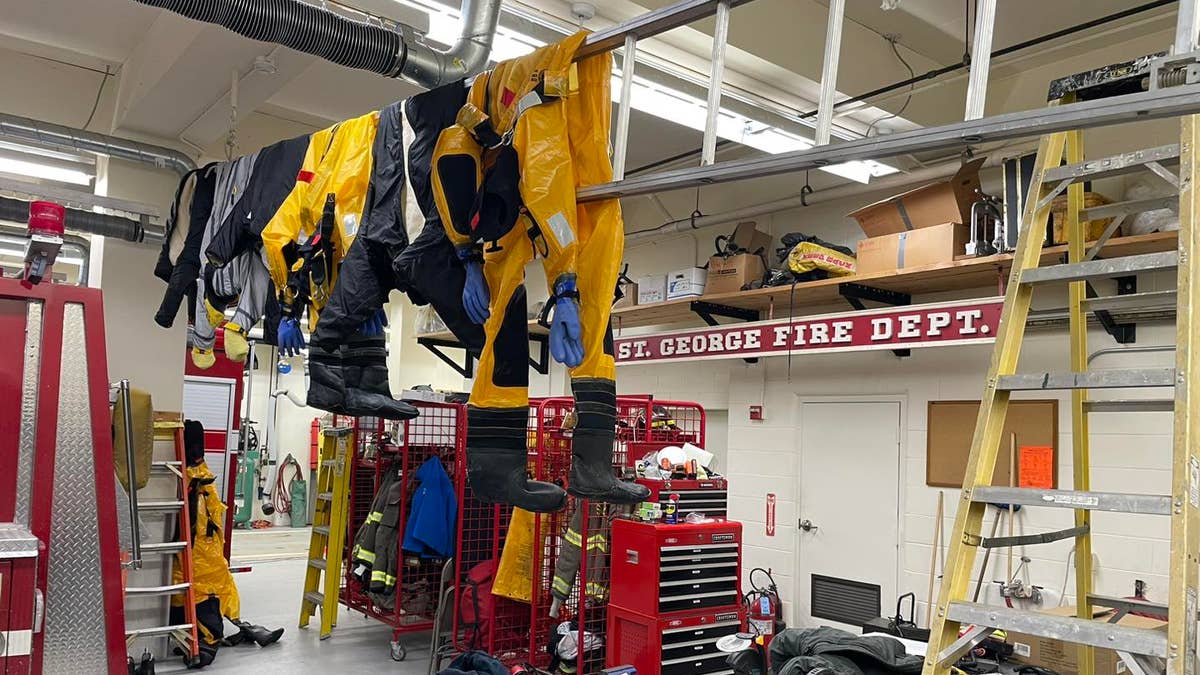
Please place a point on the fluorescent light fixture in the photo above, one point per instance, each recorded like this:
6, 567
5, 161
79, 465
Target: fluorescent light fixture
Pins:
662, 102
29, 169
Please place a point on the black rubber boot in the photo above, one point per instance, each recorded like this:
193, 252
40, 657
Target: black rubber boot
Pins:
497, 459
592, 474
208, 654
326, 383
146, 667
364, 367
261, 635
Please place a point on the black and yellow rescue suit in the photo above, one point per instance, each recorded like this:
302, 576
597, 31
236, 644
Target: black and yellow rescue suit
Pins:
505, 175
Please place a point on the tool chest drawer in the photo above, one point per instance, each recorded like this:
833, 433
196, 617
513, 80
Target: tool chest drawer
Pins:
660, 569
683, 645
709, 497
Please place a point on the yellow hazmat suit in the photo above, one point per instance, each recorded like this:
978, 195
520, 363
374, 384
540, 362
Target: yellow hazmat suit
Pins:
211, 577
338, 162
532, 131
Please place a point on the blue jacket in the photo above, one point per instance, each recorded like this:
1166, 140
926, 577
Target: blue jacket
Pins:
434, 511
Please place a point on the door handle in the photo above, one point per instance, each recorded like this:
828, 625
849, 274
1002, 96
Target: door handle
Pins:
807, 525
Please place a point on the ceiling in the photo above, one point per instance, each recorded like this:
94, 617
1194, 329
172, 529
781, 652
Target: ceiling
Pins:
174, 76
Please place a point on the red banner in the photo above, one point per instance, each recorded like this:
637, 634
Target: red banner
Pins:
950, 323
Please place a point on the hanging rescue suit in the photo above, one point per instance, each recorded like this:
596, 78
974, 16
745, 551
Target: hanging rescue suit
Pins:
337, 163
505, 175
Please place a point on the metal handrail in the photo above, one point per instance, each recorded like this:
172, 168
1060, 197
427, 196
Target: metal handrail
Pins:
135, 544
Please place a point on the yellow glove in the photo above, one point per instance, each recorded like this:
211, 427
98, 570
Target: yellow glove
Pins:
236, 347
216, 317
203, 358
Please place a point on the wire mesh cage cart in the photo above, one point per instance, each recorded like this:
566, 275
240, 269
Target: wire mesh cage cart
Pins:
388, 457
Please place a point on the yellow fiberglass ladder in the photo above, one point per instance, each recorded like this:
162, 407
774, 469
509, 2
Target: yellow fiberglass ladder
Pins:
960, 624
322, 581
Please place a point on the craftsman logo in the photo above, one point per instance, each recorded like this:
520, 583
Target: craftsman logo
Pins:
729, 616
674, 623
722, 537
952, 323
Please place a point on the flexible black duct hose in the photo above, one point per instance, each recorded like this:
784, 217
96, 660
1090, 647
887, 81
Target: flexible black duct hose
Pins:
17, 211
302, 27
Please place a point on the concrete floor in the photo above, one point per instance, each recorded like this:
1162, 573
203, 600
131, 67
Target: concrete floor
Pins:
270, 595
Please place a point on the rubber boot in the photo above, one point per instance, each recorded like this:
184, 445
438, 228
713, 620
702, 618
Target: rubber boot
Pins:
260, 634
592, 474
146, 667
497, 459
326, 384
364, 367
208, 654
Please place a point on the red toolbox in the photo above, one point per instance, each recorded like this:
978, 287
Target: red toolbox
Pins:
671, 646
694, 567
709, 496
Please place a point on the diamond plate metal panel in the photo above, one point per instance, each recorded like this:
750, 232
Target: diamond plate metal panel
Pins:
75, 608
30, 378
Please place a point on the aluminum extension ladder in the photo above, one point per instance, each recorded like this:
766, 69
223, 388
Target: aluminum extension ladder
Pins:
1143, 651
169, 427
322, 580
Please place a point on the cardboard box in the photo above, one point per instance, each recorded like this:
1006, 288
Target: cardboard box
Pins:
945, 201
1063, 657
629, 297
729, 274
686, 283
651, 288
747, 236
916, 248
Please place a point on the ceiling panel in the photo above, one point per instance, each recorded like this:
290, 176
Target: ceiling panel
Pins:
107, 29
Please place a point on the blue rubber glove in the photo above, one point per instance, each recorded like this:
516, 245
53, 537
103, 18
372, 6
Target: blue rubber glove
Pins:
476, 296
566, 337
373, 326
291, 340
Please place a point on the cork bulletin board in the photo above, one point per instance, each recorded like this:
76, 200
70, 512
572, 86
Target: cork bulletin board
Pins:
952, 423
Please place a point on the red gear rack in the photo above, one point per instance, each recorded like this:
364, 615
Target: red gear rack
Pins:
379, 446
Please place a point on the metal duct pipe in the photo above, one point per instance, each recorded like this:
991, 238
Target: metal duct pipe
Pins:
17, 211
53, 135
896, 181
333, 37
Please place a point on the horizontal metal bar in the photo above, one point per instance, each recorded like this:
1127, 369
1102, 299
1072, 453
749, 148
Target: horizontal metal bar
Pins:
1115, 165
1145, 300
318, 563
650, 24
315, 597
325, 496
1154, 505
156, 590
1128, 605
1126, 208
1067, 629
1131, 405
1100, 379
163, 547
719, 624
160, 506
1034, 539
1161, 103
69, 197
1101, 269
702, 580
157, 630
322, 530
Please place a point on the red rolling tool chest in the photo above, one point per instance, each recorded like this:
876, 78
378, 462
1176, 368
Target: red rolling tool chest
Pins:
676, 589
709, 496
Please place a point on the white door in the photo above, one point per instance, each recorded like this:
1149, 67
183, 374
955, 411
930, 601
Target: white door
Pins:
209, 400
848, 511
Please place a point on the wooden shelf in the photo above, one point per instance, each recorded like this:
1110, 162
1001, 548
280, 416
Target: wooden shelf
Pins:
781, 301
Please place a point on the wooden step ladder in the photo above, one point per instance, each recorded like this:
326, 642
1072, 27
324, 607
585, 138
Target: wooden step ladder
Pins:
322, 581
169, 427
960, 624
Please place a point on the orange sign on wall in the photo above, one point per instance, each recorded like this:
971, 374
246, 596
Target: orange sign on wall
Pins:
1036, 468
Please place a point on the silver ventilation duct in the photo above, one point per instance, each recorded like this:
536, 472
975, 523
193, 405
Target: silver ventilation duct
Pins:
45, 134
354, 44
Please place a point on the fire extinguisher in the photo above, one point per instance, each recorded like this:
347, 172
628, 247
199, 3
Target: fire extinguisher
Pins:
765, 612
